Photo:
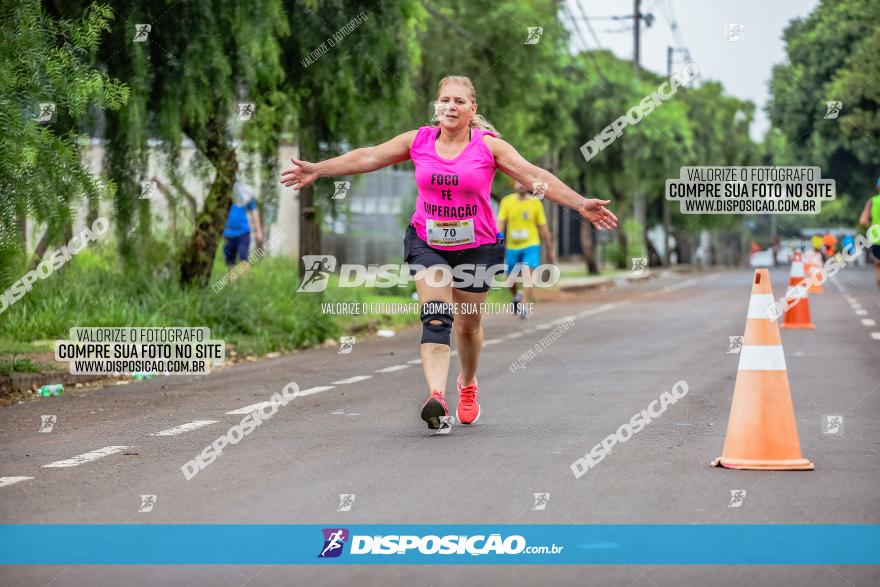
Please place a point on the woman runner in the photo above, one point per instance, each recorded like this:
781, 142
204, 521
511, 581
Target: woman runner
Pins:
453, 228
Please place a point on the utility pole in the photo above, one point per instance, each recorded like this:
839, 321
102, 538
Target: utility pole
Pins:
670, 51
638, 197
666, 218
637, 18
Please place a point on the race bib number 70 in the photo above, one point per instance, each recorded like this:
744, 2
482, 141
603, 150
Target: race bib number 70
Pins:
445, 233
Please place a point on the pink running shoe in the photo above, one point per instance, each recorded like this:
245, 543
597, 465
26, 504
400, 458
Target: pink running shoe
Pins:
468, 410
433, 409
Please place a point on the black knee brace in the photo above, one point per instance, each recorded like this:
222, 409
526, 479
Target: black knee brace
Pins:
436, 312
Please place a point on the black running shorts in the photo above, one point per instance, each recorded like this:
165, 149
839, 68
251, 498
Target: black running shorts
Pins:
417, 252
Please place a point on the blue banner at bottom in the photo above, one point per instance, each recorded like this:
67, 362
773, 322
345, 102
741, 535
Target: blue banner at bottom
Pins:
525, 544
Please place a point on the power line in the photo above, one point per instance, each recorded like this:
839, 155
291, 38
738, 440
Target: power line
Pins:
626, 29
676, 31
577, 30
583, 14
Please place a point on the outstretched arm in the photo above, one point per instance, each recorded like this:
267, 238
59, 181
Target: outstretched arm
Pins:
513, 164
866, 214
362, 160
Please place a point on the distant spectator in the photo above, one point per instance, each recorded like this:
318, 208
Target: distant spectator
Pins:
242, 218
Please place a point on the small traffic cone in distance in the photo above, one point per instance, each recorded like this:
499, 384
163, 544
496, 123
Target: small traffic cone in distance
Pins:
762, 430
815, 262
797, 269
797, 301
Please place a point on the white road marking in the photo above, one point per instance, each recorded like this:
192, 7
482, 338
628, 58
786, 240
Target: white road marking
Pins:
875, 335
414, 362
682, 285
861, 312
87, 457
184, 428
514, 335
4, 481
249, 409
491, 342
868, 322
600, 309
354, 379
392, 369
313, 390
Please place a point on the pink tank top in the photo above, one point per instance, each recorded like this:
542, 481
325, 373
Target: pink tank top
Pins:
452, 210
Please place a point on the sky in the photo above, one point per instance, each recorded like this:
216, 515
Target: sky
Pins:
743, 67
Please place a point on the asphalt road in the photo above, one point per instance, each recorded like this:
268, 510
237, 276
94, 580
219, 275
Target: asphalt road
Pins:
362, 435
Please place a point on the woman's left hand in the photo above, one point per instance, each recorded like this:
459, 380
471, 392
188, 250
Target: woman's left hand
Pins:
595, 211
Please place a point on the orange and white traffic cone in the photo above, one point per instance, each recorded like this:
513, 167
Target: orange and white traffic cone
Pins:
797, 269
809, 268
797, 301
762, 431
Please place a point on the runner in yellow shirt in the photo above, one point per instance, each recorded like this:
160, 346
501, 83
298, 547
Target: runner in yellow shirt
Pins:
521, 217
816, 241
870, 216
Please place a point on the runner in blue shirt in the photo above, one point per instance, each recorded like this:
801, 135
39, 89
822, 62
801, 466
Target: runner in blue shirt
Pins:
241, 218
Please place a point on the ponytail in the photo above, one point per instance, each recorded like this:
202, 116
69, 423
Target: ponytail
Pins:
479, 122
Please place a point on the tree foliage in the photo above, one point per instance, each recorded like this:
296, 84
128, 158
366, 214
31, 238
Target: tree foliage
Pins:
44, 60
833, 55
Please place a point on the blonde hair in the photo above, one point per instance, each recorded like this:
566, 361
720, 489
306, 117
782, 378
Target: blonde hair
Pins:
477, 120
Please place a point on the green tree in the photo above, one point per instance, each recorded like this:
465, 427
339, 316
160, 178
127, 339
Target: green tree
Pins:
189, 74
833, 55
46, 61
350, 77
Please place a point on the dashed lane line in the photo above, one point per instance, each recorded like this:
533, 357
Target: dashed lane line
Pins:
87, 457
249, 409
313, 390
353, 379
5, 481
391, 369
185, 428
102, 452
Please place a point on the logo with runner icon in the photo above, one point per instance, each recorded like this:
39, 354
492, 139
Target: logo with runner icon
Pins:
735, 32
541, 501
639, 264
832, 424
340, 189
535, 33
735, 345
317, 268
48, 422
737, 497
141, 33
539, 188
46, 112
346, 345
334, 540
147, 503
346, 501
833, 109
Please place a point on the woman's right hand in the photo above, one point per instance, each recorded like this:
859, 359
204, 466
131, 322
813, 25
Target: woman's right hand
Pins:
300, 175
